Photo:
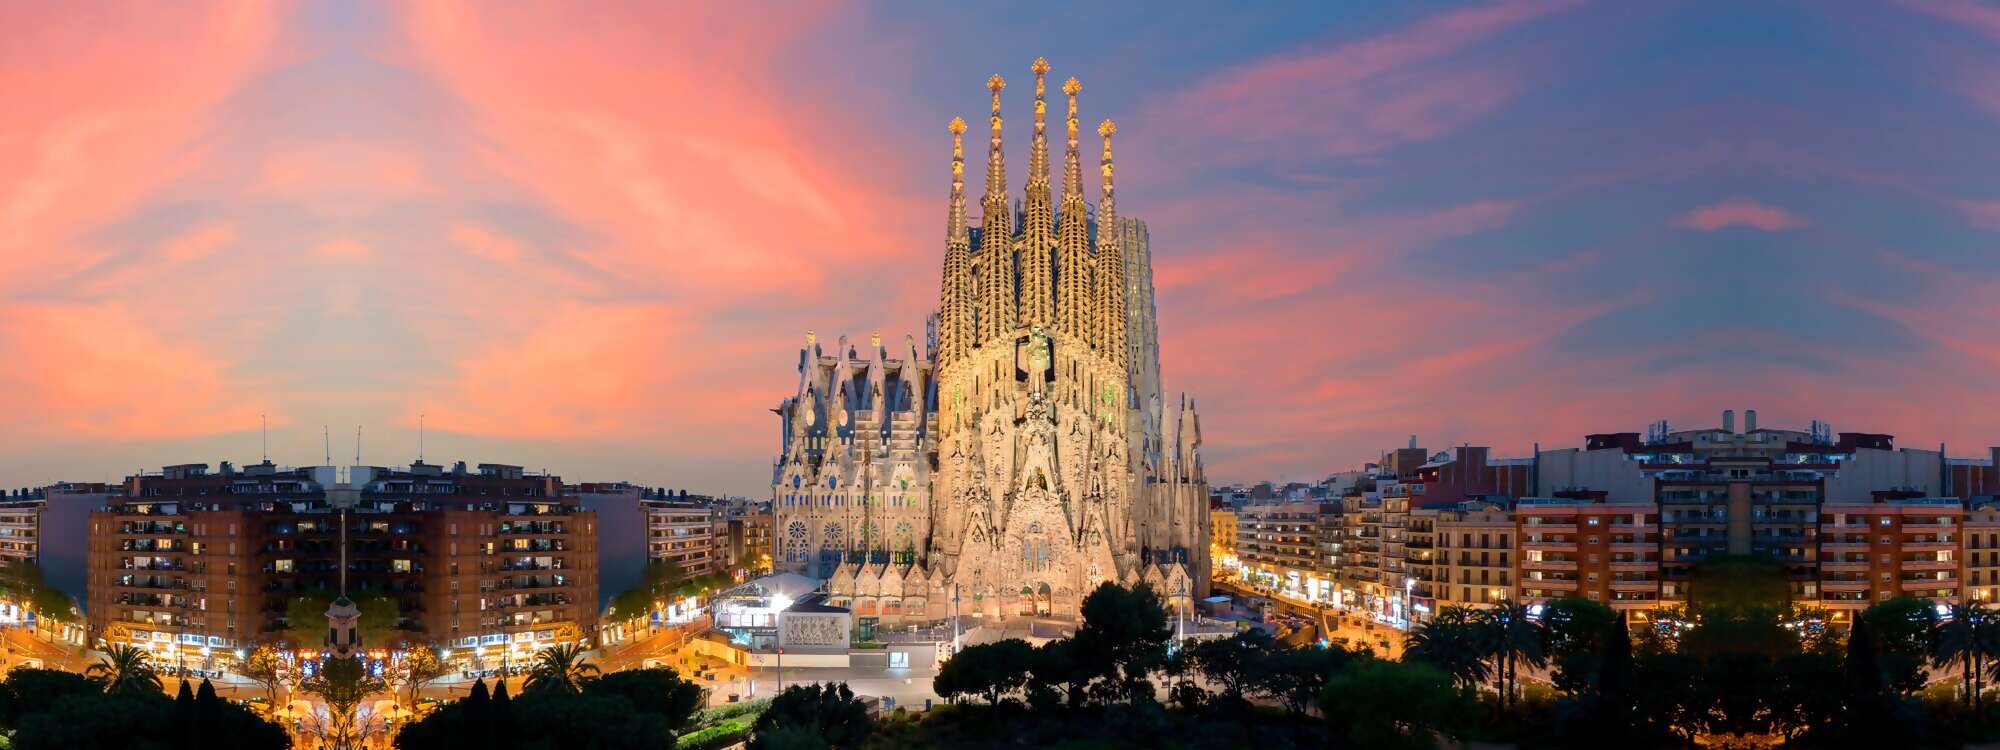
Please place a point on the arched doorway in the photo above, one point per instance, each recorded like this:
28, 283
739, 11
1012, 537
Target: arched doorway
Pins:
1044, 601
1025, 605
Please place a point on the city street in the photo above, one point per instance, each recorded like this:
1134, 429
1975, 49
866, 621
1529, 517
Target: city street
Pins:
1358, 628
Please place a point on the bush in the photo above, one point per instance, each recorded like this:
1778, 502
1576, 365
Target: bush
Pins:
722, 734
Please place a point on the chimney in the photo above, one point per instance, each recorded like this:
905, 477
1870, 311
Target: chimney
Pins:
1729, 420
1750, 420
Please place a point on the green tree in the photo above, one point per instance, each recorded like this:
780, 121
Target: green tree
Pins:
343, 684
265, 665
417, 667
1057, 667
1295, 676
1228, 662
818, 716
28, 691
1901, 629
1384, 704
561, 669
1576, 630
991, 670
125, 669
1124, 637
1965, 637
1454, 642
659, 691
1513, 638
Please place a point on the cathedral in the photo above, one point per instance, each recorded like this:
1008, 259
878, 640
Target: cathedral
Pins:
1021, 458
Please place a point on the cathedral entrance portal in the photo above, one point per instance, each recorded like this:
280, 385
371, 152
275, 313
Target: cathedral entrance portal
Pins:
1044, 601
1025, 606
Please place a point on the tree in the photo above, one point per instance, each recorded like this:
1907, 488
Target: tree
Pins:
1454, 642
657, 690
1385, 704
1058, 667
1513, 638
343, 684
1965, 637
631, 604
991, 670
125, 669
1124, 636
26, 581
1902, 628
1295, 676
1228, 662
829, 714
1576, 630
418, 667
29, 691
265, 665
561, 668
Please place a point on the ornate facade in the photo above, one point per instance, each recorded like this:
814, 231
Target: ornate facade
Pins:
1020, 460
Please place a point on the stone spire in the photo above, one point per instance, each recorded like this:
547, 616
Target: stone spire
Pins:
1038, 236
996, 237
1110, 261
954, 297
1076, 310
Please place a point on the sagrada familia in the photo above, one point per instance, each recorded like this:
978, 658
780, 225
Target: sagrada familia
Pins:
1020, 460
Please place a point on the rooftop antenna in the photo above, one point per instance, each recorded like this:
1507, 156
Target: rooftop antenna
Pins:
420, 438
326, 434
357, 445
266, 422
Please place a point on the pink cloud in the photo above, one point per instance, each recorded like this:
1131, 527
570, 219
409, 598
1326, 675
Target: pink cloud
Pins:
106, 110
343, 249
1360, 97
1739, 212
1979, 17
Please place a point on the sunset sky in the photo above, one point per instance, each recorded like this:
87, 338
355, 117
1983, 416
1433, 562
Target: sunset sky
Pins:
592, 241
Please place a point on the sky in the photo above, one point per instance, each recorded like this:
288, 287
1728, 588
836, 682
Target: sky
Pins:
591, 239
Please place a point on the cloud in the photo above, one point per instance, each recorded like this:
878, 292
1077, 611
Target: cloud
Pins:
1739, 212
1354, 99
343, 249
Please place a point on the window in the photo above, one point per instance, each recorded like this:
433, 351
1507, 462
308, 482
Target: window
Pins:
282, 566
1594, 520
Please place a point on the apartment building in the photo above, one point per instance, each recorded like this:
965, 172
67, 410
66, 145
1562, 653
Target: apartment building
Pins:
1981, 563
1222, 539
1893, 546
1471, 557
681, 529
1582, 546
205, 562
1278, 547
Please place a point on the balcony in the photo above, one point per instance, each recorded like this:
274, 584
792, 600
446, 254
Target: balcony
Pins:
1831, 564
1837, 585
1548, 544
1632, 585
1929, 545
1548, 564
1844, 546
1930, 565
1635, 565
1548, 528
1548, 584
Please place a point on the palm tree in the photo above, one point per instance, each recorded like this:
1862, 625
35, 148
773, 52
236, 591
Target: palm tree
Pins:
561, 668
125, 669
1513, 638
1959, 641
1453, 641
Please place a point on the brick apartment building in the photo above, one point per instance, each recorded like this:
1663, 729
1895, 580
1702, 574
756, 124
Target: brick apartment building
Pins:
199, 561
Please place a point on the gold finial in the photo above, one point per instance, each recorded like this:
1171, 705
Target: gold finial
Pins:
1041, 65
875, 339
996, 83
1106, 128
811, 338
957, 125
1072, 87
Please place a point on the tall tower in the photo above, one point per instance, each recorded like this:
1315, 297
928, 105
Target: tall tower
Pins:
1077, 311
1110, 262
1038, 233
996, 237
955, 294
